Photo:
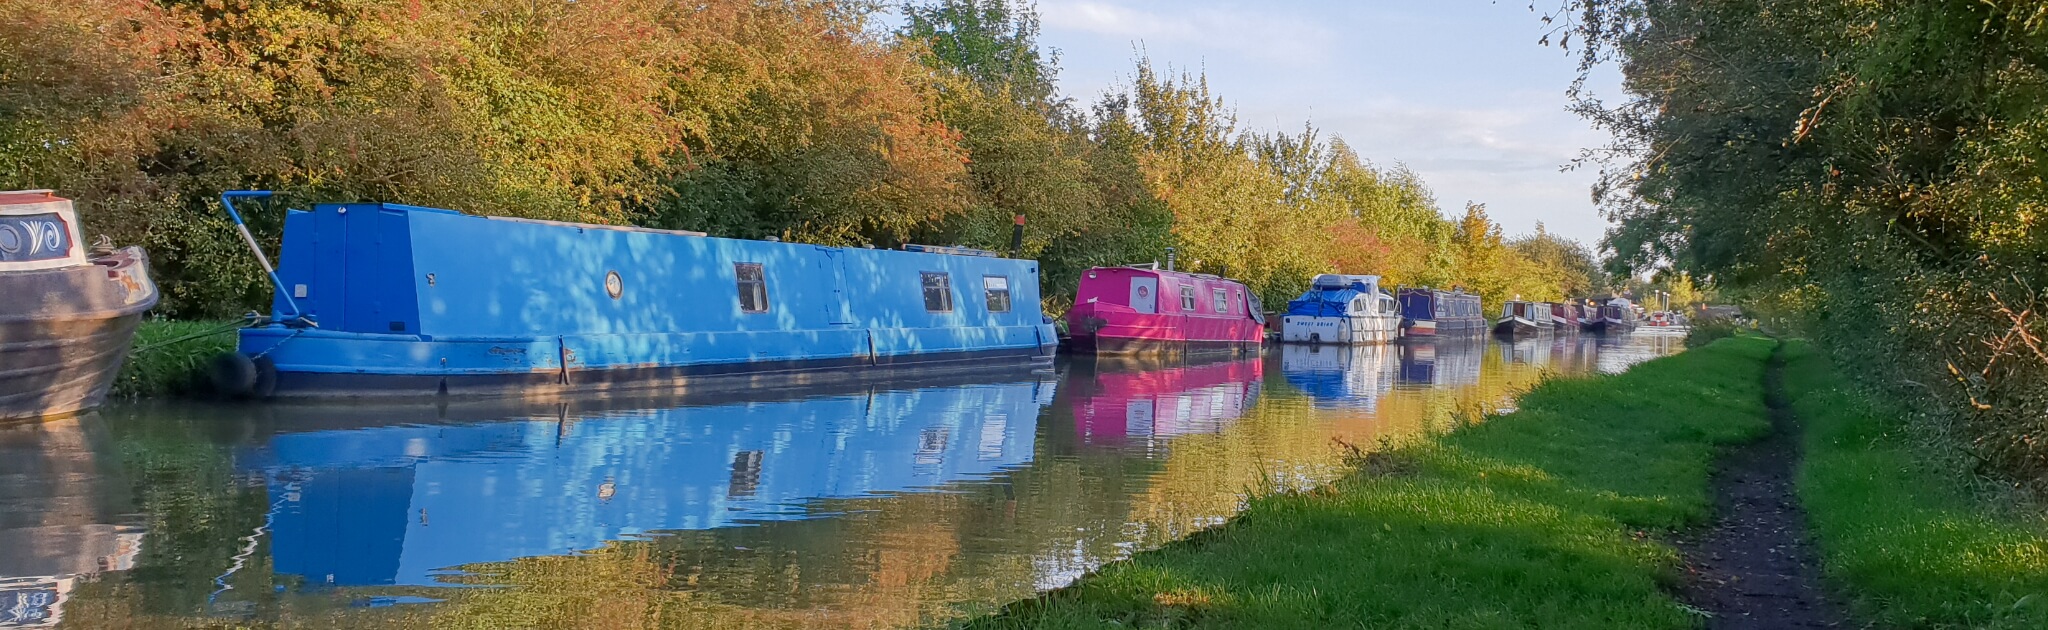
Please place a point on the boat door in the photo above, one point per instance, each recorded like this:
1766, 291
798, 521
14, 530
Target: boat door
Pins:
837, 311
1145, 295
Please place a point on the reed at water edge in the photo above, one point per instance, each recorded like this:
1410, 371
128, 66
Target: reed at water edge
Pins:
169, 357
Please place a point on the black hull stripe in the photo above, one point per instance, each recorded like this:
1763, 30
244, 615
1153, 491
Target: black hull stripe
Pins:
695, 378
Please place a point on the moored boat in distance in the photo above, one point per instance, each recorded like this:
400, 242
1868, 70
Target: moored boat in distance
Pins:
1342, 309
1146, 310
69, 314
1589, 315
1564, 317
386, 299
1427, 312
1523, 319
1617, 315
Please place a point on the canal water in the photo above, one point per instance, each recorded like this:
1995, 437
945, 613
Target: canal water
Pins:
876, 506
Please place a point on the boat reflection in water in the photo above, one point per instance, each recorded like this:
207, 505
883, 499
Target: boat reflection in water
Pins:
1441, 362
1122, 402
1341, 376
408, 504
58, 525
1529, 351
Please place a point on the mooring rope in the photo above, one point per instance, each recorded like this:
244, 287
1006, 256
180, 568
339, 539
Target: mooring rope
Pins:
247, 321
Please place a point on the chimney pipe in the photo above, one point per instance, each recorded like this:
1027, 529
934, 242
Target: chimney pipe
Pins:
1169, 259
1017, 238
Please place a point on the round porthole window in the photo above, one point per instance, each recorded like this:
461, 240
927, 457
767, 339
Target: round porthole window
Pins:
613, 285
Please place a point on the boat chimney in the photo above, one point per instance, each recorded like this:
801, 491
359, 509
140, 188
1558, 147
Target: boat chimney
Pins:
1169, 259
1017, 238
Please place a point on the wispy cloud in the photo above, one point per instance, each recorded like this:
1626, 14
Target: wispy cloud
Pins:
1262, 35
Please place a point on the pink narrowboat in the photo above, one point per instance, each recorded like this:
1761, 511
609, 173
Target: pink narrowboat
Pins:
1143, 310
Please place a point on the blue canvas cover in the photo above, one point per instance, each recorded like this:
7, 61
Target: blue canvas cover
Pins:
1322, 301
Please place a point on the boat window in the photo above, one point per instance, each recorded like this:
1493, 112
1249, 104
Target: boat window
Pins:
753, 287
1222, 300
998, 289
938, 292
1187, 297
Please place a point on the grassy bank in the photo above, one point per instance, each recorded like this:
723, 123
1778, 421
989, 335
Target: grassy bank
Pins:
1900, 531
1543, 517
169, 355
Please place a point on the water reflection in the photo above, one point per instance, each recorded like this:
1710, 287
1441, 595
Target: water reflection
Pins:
1441, 361
401, 504
1341, 376
58, 517
1124, 402
871, 506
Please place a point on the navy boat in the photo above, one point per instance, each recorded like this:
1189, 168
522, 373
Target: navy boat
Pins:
385, 299
1428, 312
1618, 315
1524, 319
67, 315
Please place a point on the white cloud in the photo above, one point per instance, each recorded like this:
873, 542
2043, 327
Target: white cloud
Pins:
1457, 90
1262, 35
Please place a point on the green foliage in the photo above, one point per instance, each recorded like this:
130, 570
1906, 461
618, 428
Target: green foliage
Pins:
1896, 524
169, 356
1532, 519
1707, 331
732, 117
1872, 167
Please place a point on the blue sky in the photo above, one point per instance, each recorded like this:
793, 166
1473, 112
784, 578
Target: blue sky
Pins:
1459, 90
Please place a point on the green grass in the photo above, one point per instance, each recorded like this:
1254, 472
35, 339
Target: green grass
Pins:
1900, 531
161, 365
1545, 517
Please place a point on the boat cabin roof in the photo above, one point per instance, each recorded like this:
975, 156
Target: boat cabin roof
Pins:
1134, 270
1342, 281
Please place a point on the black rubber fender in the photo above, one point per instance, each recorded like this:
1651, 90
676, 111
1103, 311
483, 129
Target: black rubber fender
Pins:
232, 374
266, 377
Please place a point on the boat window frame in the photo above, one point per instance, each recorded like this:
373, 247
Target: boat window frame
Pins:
990, 292
1187, 297
944, 286
1220, 298
759, 283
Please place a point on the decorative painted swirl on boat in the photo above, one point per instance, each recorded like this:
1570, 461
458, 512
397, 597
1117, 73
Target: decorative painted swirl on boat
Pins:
33, 237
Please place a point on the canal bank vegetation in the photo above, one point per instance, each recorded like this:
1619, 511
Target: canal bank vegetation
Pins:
805, 120
1548, 516
1900, 530
1869, 174
169, 357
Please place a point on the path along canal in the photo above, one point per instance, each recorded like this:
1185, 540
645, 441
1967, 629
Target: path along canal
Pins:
891, 505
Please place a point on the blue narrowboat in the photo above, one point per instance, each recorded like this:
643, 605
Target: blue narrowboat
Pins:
386, 299
1426, 312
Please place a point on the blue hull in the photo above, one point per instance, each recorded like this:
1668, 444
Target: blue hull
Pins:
419, 301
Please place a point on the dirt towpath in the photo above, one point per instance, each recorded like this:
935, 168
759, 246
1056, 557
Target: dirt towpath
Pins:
1754, 565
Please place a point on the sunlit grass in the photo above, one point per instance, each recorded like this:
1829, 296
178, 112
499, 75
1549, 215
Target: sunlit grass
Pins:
1546, 517
1900, 532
